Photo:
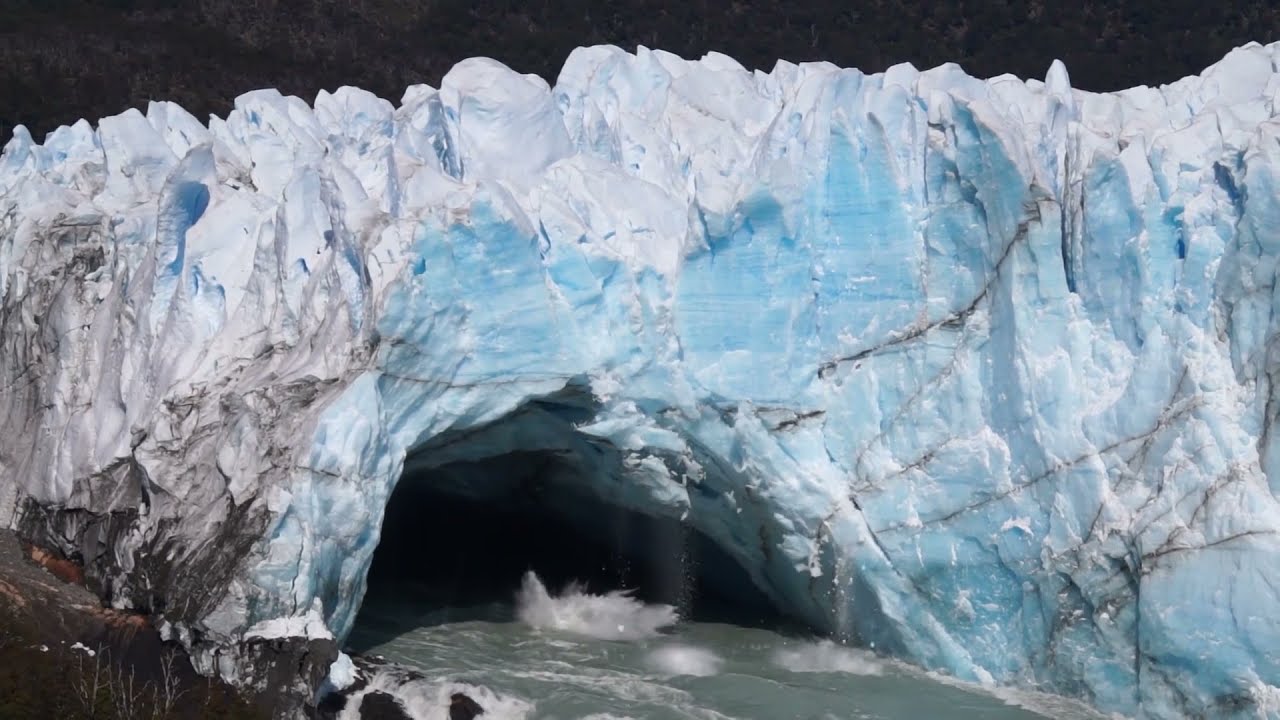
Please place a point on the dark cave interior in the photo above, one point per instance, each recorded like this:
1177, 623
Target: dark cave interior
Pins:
460, 555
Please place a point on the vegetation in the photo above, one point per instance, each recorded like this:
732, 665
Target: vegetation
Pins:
61, 60
42, 681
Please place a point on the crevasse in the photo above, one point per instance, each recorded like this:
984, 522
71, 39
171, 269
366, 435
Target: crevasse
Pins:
978, 373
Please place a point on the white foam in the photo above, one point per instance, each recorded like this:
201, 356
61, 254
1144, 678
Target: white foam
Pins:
615, 616
623, 687
826, 656
429, 699
685, 660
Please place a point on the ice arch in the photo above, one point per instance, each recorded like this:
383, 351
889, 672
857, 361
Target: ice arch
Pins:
515, 380
475, 511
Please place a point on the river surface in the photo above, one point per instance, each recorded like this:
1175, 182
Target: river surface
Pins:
577, 656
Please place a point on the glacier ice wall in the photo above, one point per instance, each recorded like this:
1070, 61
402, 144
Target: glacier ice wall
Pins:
977, 372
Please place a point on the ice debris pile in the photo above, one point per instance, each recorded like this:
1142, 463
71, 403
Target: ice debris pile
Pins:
979, 373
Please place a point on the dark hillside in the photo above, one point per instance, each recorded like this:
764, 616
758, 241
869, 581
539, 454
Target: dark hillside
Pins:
65, 59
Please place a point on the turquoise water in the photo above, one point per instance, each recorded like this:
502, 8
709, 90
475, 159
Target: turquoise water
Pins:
562, 658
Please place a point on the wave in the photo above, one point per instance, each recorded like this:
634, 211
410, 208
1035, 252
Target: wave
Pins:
614, 616
425, 699
1040, 703
685, 660
826, 656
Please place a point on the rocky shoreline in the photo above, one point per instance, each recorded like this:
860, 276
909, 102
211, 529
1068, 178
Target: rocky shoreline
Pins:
63, 655
377, 700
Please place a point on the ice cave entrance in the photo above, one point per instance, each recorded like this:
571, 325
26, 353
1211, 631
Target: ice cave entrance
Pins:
473, 512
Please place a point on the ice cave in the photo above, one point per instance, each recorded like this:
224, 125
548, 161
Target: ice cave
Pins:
474, 511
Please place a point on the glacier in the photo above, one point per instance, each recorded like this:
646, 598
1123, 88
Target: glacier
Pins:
977, 373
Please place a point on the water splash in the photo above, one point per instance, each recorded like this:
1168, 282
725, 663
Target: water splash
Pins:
614, 616
685, 660
826, 656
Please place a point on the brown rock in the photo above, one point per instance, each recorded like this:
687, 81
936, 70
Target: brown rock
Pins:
65, 570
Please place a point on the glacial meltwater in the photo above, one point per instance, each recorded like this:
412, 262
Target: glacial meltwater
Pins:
572, 655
